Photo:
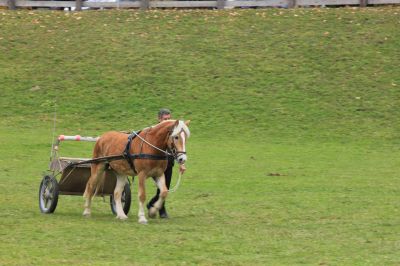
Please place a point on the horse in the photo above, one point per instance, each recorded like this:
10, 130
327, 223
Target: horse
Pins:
145, 156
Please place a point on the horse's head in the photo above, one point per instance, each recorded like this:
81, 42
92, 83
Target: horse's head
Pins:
179, 133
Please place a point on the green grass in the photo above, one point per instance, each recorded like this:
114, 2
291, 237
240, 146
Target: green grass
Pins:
294, 151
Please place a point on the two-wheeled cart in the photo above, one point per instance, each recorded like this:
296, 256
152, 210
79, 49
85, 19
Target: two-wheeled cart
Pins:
73, 174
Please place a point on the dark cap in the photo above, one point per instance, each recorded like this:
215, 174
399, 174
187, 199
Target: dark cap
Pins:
164, 111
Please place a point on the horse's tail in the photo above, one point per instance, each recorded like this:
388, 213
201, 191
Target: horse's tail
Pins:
97, 149
99, 185
97, 170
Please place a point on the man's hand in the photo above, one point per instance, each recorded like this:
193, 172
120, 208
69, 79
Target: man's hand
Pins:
182, 168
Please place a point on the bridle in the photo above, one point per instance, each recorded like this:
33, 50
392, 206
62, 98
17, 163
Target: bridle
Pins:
174, 151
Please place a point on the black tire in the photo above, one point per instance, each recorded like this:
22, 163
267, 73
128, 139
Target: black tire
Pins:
48, 194
125, 200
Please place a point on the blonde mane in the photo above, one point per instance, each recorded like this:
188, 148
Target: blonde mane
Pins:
180, 127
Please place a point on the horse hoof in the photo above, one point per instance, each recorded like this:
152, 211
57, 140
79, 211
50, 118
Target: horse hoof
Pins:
142, 221
86, 214
122, 217
152, 213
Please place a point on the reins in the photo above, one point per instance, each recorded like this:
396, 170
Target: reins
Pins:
175, 188
151, 145
174, 154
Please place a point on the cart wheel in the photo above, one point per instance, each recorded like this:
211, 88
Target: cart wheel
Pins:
48, 194
125, 200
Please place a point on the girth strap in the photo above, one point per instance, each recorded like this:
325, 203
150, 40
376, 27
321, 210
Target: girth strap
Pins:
126, 153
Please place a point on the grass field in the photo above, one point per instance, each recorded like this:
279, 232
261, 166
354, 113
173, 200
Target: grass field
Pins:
294, 152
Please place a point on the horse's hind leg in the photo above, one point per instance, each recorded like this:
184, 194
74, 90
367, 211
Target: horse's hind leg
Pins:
119, 188
97, 171
160, 181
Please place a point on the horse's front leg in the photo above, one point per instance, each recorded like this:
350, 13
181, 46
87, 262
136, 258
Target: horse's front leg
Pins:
119, 188
160, 181
142, 197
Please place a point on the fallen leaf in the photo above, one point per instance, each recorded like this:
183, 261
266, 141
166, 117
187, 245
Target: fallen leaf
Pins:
35, 88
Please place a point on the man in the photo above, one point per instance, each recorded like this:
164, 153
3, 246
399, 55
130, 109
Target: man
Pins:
165, 114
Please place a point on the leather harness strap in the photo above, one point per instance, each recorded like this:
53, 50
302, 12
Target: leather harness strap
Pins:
126, 152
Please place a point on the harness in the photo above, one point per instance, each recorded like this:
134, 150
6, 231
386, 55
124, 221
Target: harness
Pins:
172, 153
131, 157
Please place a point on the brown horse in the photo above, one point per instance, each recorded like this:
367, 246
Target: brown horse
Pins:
152, 142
